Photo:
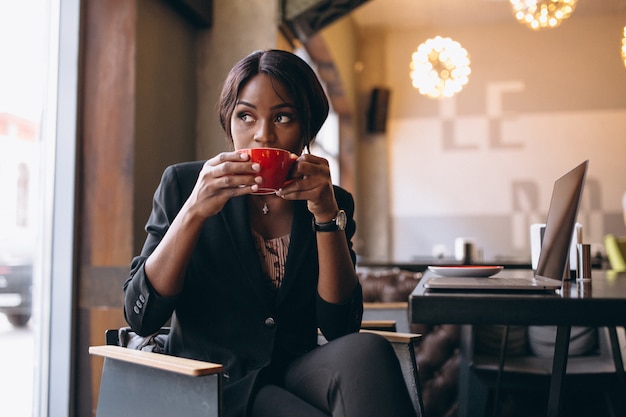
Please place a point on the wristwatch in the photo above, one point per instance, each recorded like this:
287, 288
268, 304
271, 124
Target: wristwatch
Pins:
338, 223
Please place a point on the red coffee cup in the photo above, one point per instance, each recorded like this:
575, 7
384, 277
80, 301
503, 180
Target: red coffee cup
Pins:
275, 165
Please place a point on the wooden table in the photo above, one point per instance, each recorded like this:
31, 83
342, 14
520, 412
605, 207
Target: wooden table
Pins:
599, 302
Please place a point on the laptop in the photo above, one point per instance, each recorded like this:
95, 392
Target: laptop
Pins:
552, 265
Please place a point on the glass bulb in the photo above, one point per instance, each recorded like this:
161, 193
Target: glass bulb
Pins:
439, 67
542, 14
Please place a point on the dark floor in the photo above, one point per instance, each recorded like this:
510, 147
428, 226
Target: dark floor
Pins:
574, 404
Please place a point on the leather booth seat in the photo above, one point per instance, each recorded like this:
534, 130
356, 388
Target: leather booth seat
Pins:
437, 355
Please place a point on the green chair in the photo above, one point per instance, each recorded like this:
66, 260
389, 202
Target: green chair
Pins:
135, 372
136, 380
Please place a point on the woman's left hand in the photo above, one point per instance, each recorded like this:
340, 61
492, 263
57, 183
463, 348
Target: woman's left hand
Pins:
312, 182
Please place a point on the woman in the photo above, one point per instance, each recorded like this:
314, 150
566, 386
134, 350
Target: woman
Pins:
248, 287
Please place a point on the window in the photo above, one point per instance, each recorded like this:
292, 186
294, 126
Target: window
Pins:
38, 88
326, 143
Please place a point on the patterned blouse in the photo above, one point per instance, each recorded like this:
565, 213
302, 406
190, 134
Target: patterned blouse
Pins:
273, 255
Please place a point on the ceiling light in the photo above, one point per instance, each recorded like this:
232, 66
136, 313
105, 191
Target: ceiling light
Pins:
440, 67
542, 14
624, 46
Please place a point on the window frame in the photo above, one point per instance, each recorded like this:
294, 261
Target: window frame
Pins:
55, 339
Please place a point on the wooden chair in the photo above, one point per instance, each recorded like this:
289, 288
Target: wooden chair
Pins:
404, 347
392, 316
392, 312
167, 385
186, 387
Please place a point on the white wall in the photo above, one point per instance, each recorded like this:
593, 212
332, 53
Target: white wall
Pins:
483, 164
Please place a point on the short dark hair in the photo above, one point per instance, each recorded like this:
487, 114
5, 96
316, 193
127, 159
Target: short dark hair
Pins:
293, 73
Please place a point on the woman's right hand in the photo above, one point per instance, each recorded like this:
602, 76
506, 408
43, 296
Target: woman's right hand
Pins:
227, 175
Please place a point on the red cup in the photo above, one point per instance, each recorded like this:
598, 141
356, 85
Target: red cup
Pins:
275, 165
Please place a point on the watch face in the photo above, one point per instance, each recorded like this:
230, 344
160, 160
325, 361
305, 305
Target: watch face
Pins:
342, 220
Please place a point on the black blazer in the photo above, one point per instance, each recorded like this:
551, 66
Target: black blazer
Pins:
227, 311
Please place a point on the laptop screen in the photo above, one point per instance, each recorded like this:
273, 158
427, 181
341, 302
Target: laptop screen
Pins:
566, 197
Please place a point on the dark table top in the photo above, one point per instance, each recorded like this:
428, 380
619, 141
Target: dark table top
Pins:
422, 264
599, 302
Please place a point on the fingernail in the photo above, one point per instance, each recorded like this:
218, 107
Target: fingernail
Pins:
255, 187
243, 156
256, 166
258, 180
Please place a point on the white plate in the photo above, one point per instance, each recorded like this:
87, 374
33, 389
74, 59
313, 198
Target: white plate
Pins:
466, 270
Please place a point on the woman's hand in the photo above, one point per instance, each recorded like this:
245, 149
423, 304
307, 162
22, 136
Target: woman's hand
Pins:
227, 175
337, 277
313, 184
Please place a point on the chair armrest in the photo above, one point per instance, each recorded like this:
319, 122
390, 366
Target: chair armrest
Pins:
396, 337
382, 325
170, 363
404, 347
384, 305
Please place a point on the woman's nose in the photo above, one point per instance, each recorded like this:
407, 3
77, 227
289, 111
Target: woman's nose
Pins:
265, 133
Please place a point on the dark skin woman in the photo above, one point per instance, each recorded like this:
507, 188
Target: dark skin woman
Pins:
249, 288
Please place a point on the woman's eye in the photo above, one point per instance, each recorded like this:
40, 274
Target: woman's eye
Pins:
245, 117
283, 118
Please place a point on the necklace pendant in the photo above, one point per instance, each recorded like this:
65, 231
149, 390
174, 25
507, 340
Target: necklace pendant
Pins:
265, 209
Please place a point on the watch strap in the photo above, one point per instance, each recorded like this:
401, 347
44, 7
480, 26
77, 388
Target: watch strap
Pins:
338, 223
330, 226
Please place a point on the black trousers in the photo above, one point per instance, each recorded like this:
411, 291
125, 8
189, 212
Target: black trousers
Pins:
357, 375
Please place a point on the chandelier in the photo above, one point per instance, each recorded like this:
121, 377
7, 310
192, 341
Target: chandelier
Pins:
624, 46
439, 67
542, 14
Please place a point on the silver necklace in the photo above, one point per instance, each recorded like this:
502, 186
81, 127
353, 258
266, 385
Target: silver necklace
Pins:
265, 208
